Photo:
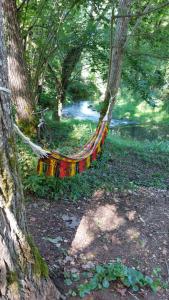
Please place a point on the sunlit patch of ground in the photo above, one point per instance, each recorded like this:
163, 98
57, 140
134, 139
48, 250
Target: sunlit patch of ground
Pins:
132, 225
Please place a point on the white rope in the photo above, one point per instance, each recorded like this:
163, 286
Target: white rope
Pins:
35, 148
4, 89
106, 117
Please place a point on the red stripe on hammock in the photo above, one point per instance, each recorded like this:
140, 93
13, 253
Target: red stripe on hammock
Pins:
82, 165
63, 168
104, 136
94, 155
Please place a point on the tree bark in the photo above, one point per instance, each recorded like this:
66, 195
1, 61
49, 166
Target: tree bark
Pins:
23, 273
68, 66
116, 58
18, 76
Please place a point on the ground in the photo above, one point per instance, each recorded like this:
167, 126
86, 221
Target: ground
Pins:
132, 225
116, 209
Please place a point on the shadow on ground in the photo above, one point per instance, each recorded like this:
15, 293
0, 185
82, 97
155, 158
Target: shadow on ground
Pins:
132, 225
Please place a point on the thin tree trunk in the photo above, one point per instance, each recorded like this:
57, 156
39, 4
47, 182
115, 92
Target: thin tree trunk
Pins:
116, 57
68, 66
18, 76
23, 273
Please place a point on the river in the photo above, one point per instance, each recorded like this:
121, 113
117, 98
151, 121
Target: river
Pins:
130, 129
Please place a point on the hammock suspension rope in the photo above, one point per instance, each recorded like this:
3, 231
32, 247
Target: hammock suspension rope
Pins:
56, 164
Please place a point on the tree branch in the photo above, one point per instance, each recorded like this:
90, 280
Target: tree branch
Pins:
144, 12
22, 4
135, 53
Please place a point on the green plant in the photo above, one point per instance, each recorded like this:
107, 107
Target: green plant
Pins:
111, 272
121, 166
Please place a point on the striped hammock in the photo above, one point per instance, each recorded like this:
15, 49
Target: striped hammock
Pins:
56, 164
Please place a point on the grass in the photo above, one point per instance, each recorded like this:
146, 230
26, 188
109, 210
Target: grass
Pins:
124, 164
137, 109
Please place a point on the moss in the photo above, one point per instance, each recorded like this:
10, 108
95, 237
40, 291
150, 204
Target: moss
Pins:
40, 267
28, 127
12, 277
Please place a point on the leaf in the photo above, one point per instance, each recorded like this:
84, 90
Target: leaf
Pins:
155, 285
85, 275
156, 271
93, 283
105, 283
53, 241
99, 269
148, 280
135, 288
84, 289
75, 276
68, 282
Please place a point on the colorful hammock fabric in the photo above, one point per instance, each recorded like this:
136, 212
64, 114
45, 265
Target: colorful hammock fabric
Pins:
56, 164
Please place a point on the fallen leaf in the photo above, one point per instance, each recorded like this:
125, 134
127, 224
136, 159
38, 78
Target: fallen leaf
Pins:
54, 241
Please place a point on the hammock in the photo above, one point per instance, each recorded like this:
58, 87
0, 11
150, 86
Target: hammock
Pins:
56, 164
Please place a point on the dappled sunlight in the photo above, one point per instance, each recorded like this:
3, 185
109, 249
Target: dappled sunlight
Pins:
132, 233
98, 194
84, 235
131, 215
105, 218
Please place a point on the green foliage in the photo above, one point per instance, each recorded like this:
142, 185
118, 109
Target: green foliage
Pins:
81, 90
52, 30
103, 275
114, 169
71, 277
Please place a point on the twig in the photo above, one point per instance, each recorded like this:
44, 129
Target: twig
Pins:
149, 11
134, 296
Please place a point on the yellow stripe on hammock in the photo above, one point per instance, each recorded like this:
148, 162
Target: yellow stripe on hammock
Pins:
51, 167
72, 169
40, 167
88, 162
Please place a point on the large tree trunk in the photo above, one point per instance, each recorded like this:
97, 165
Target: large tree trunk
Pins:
23, 273
18, 75
117, 50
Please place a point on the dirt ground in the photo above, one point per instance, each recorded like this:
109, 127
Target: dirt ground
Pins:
131, 225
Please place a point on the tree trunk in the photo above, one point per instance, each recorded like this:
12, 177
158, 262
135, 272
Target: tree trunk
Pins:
23, 273
18, 76
117, 50
68, 66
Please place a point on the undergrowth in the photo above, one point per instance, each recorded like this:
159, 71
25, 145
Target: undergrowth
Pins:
124, 164
103, 275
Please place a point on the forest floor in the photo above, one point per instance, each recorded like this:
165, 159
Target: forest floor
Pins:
118, 209
131, 225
